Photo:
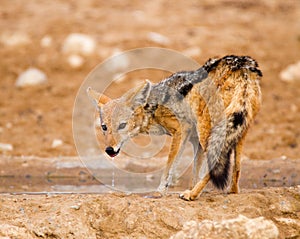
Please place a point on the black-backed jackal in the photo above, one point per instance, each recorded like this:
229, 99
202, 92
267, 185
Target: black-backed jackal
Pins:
211, 107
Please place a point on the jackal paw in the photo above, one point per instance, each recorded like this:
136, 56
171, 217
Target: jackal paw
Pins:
234, 189
163, 188
187, 195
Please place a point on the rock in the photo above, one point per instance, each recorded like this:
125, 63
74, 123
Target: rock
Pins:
76, 207
75, 61
31, 77
192, 52
288, 221
81, 44
118, 62
240, 227
158, 38
6, 147
8, 125
11, 231
291, 73
46, 41
56, 143
14, 39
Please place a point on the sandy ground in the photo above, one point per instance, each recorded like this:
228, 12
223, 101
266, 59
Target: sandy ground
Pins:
133, 216
31, 118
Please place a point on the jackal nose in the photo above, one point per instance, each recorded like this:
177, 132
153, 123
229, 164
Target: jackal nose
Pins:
111, 152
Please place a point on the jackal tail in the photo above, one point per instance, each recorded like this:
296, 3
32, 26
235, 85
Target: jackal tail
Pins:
227, 133
222, 142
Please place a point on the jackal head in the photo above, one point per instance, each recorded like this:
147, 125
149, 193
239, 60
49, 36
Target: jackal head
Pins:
122, 118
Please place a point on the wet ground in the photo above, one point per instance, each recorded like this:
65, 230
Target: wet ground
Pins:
31, 119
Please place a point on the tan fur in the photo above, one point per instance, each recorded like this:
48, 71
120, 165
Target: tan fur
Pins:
219, 100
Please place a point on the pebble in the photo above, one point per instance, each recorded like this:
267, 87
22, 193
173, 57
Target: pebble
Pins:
6, 147
77, 43
118, 62
14, 39
8, 125
283, 157
291, 73
75, 61
276, 171
56, 143
192, 52
158, 38
76, 207
46, 41
31, 77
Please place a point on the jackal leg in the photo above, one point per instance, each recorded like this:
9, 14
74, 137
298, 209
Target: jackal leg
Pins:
197, 159
190, 195
177, 146
236, 167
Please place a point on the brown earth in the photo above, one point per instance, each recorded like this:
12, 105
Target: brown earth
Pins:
31, 118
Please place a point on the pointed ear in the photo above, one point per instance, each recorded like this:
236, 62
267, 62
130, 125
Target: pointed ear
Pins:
97, 98
141, 94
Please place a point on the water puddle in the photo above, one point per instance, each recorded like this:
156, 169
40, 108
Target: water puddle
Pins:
39, 175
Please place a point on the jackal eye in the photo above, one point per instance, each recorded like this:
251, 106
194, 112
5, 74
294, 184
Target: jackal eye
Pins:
122, 126
103, 126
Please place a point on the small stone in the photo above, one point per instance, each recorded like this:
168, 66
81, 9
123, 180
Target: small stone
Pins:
291, 73
46, 41
31, 77
118, 62
283, 157
158, 38
56, 143
285, 207
276, 171
81, 44
75, 61
192, 52
8, 125
76, 207
6, 147
294, 108
14, 39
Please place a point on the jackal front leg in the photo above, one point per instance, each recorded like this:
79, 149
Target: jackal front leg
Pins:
177, 146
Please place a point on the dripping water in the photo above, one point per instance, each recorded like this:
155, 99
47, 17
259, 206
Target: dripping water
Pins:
113, 174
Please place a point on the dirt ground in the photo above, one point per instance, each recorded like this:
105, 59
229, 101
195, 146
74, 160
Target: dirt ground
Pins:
31, 118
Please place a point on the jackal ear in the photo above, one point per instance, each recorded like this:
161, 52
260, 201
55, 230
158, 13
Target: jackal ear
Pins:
141, 94
97, 98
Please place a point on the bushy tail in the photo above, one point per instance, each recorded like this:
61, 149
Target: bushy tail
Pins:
242, 74
223, 139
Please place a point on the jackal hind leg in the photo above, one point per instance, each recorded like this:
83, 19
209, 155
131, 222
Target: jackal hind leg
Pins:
177, 146
236, 167
197, 159
190, 195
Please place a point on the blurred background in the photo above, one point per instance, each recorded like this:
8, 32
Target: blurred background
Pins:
47, 48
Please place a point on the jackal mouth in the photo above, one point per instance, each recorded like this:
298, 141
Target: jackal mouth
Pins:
111, 152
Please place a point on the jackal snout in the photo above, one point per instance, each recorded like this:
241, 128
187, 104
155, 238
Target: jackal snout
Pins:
111, 152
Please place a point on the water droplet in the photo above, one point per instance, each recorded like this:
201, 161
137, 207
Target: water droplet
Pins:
113, 175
